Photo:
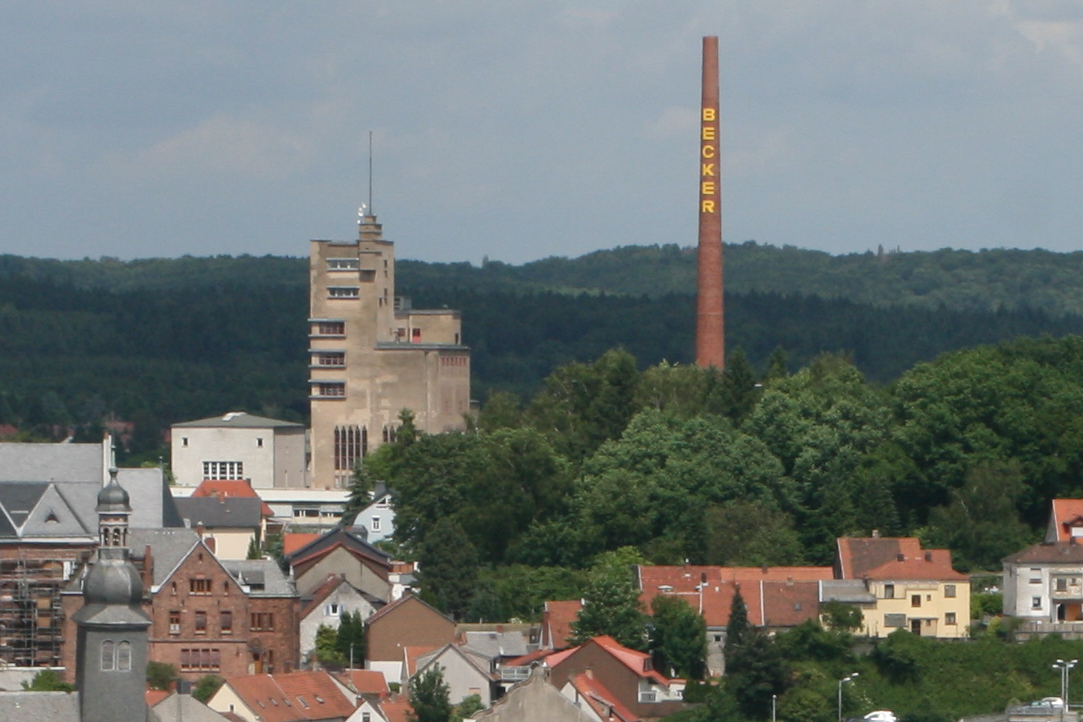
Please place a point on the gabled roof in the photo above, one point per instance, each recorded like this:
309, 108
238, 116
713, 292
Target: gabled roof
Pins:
337, 538
292, 697
638, 662
365, 682
222, 512
603, 702
710, 590
473, 659
293, 541
788, 604
168, 548
1064, 513
398, 710
175, 707
403, 601
857, 556
333, 582
412, 656
934, 564
527, 659
23, 706
230, 488
239, 420
51, 462
1065, 552
557, 622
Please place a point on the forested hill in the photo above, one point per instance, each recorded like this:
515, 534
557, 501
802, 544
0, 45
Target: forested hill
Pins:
974, 281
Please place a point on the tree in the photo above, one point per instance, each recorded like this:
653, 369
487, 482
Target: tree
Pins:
738, 629
361, 487
350, 639
751, 534
326, 651
466, 709
47, 680
841, 616
678, 638
161, 675
429, 697
206, 686
611, 603
449, 568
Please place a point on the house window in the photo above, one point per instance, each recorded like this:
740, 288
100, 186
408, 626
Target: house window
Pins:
201, 660
915, 600
331, 328
223, 470
1035, 575
376, 523
351, 444
894, 620
343, 291
949, 618
332, 610
184, 441
225, 620
109, 656
174, 622
201, 622
331, 358
199, 586
333, 390
124, 657
949, 590
1062, 584
259, 443
343, 264
889, 591
263, 622
1035, 602
415, 335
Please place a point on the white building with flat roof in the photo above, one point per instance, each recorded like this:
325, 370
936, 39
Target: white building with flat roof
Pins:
269, 453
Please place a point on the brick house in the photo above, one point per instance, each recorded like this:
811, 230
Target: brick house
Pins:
208, 616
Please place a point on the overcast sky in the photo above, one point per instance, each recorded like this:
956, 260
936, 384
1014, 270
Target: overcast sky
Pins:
519, 130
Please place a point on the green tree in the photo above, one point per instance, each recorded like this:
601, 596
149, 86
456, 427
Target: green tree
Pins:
678, 638
161, 675
361, 486
429, 697
326, 650
206, 686
449, 568
611, 602
751, 534
738, 629
47, 680
350, 639
466, 709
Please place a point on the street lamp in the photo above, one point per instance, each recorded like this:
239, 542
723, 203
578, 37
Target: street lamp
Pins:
847, 678
774, 700
1065, 670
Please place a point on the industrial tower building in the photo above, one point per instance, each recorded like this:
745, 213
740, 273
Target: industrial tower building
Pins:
372, 355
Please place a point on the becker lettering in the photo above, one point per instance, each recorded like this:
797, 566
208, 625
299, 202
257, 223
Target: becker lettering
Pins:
707, 188
708, 132
708, 151
709, 114
707, 207
708, 170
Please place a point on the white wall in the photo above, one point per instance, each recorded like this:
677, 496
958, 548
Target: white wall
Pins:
270, 459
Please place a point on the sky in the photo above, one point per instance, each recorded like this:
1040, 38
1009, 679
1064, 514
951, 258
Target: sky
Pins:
522, 130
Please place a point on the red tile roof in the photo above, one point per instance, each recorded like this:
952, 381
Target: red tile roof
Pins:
557, 622
397, 711
638, 662
292, 697
1066, 514
527, 659
412, 654
230, 488
366, 681
710, 590
603, 702
859, 555
154, 696
293, 541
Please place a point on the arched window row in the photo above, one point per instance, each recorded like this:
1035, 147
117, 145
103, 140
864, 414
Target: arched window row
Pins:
116, 657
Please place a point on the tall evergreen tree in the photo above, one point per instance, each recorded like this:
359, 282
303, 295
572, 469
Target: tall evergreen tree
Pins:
430, 697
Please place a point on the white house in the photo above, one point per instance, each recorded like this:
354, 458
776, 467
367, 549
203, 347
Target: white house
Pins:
335, 597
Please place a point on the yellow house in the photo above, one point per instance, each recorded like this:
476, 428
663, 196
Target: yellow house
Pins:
914, 588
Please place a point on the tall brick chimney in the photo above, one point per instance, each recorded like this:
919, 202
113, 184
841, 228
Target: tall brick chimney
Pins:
710, 328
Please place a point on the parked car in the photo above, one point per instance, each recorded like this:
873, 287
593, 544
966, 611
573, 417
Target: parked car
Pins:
881, 715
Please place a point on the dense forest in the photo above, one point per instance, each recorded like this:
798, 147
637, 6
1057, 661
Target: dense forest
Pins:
159, 341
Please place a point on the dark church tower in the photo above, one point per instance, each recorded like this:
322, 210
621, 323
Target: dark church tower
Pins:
111, 649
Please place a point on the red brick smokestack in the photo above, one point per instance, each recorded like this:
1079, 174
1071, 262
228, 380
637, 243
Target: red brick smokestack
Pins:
710, 329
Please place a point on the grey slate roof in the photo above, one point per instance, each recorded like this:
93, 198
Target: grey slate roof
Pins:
239, 420
497, 644
51, 462
152, 502
850, 591
226, 512
39, 706
265, 571
184, 708
168, 546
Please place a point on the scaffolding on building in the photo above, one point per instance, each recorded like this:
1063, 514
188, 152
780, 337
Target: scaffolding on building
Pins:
31, 617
